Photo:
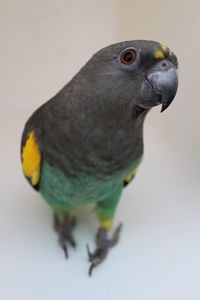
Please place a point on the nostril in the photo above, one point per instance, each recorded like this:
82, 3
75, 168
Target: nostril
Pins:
164, 65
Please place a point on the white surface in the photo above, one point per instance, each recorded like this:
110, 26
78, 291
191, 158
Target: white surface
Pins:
158, 254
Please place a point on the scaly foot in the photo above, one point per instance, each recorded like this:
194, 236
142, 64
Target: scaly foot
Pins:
102, 246
64, 229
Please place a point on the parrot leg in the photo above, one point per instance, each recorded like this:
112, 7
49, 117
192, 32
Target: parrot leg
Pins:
102, 246
105, 212
64, 229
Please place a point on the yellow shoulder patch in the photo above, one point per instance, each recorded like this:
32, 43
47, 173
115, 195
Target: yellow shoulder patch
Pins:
31, 158
133, 172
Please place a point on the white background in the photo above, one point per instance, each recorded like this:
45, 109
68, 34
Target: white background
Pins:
43, 44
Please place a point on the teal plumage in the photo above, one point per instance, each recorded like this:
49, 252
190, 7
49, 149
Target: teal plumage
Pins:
64, 193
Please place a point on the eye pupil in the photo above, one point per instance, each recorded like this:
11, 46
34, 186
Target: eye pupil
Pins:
128, 57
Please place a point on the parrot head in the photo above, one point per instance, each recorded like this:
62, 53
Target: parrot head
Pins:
140, 73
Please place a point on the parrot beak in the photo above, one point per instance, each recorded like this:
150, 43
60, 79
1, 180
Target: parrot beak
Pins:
164, 81
166, 101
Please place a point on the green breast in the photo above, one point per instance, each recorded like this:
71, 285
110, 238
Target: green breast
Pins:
57, 189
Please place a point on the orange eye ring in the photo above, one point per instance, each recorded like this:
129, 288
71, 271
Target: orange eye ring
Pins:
128, 57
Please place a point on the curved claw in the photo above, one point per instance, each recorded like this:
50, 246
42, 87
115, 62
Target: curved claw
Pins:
70, 239
89, 253
95, 261
90, 269
65, 251
63, 246
115, 237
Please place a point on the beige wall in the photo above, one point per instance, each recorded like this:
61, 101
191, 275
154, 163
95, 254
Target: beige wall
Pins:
44, 43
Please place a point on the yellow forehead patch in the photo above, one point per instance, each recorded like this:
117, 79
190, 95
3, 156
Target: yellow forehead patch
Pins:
31, 158
159, 54
165, 49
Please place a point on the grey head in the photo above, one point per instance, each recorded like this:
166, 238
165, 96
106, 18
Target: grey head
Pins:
129, 74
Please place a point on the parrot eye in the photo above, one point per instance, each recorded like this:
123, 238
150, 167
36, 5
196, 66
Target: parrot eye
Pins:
128, 56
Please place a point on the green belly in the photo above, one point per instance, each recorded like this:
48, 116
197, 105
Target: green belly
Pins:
59, 190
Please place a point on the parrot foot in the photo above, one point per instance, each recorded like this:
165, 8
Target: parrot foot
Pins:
64, 229
102, 246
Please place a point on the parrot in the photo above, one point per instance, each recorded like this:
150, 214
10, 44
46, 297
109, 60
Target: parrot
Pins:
85, 144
